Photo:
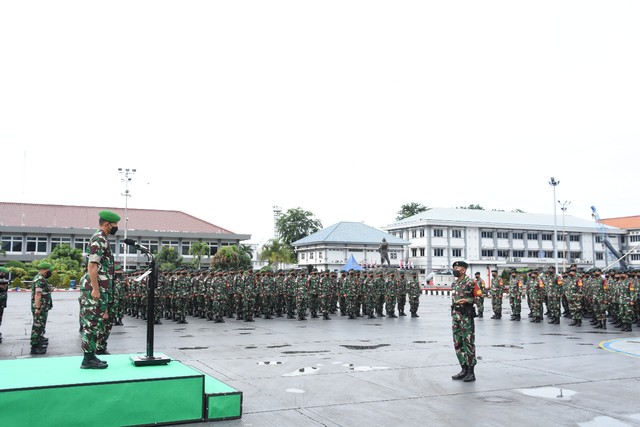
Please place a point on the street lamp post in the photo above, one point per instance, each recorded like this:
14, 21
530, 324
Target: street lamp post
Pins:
554, 184
563, 207
127, 178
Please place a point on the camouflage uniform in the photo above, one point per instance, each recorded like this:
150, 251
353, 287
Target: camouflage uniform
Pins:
4, 287
92, 312
325, 294
600, 292
40, 311
553, 291
390, 295
350, 294
479, 282
401, 293
313, 284
462, 324
536, 291
497, 293
573, 292
290, 291
370, 295
515, 295
414, 295
302, 295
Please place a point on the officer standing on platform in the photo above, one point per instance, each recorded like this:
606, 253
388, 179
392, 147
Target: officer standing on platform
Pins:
95, 285
463, 295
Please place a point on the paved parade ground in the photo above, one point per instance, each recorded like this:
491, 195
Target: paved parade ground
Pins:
383, 371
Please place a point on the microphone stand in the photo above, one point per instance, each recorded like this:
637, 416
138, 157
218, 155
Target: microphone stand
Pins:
149, 359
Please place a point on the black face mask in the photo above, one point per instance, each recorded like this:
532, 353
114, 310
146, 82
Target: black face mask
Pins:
456, 273
48, 274
113, 231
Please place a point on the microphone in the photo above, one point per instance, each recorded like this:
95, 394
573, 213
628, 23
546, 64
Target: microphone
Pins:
131, 242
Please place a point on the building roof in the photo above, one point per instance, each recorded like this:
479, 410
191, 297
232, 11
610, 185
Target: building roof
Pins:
86, 217
352, 233
626, 222
496, 219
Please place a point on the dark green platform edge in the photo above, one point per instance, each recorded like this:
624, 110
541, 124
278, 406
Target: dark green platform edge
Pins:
55, 391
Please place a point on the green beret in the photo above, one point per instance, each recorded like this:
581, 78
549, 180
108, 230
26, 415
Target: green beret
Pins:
44, 266
109, 216
460, 264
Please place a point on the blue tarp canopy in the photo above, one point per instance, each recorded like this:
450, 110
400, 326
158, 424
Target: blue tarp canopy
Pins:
351, 265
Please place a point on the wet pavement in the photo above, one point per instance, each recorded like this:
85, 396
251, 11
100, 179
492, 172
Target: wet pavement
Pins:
383, 371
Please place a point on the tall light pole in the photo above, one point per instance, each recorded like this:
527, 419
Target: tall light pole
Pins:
277, 212
554, 184
126, 179
563, 207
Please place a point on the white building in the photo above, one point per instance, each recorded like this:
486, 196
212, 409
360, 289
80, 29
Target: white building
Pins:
440, 236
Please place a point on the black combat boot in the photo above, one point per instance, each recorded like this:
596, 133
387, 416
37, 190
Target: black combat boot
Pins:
480, 314
90, 361
604, 323
393, 315
552, 321
325, 316
574, 322
36, 349
460, 375
471, 376
102, 351
402, 313
414, 315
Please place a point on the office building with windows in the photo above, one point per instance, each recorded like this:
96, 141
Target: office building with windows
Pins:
440, 236
30, 232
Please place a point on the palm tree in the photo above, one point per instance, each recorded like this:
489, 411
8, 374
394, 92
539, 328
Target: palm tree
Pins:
198, 250
276, 252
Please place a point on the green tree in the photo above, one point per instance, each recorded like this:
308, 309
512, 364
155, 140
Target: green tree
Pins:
168, 258
410, 209
198, 250
276, 252
230, 257
296, 224
247, 249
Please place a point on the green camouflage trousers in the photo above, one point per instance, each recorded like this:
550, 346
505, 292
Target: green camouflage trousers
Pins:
91, 321
38, 327
464, 339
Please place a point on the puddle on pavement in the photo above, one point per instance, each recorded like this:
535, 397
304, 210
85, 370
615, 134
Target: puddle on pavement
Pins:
496, 399
423, 342
186, 336
508, 346
279, 346
250, 347
364, 347
192, 348
364, 368
294, 390
310, 370
548, 392
270, 362
305, 352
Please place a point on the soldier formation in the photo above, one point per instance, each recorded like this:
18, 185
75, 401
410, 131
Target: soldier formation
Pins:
594, 294
248, 294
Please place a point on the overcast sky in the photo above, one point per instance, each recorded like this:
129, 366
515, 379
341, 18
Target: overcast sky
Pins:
348, 109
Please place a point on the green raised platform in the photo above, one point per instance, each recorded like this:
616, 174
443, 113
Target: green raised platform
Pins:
55, 391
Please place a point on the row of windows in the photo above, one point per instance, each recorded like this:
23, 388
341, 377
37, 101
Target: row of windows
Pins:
311, 255
38, 245
489, 234
457, 252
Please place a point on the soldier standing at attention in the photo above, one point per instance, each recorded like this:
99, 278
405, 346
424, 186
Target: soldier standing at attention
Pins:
462, 325
40, 305
4, 287
573, 291
414, 294
497, 291
479, 282
515, 295
95, 285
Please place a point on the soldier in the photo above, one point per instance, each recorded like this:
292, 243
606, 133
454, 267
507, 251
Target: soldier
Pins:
414, 294
249, 296
4, 287
118, 296
380, 293
370, 295
573, 292
463, 295
325, 294
497, 292
279, 303
349, 290
553, 290
401, 293
390, 295
536, 286
40, 305
95, 285
314, 289
600, 289
479, 283
290, 291
302, 295
342, 301
109, 320
627, 299
515, 295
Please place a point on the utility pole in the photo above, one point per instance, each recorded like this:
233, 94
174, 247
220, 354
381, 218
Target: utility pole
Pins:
563, 207
554, 184
126, 179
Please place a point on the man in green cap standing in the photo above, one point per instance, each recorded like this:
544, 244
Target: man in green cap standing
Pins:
95, 286
463, 294
40, 305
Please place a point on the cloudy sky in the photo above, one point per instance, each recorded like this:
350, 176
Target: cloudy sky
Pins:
348, 109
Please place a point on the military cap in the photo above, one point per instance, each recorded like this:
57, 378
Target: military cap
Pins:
109, 216
477, 273
460, 264
44, 266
